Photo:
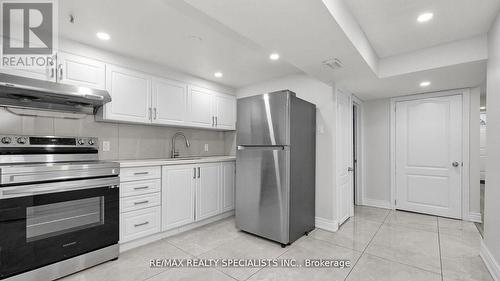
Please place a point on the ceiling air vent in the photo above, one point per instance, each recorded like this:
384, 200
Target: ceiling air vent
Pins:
333, 63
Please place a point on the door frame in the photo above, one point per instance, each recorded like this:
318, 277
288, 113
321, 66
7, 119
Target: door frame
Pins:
359, 175
465, 93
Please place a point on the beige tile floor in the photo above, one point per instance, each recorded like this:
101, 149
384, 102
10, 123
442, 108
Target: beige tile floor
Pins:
381, 244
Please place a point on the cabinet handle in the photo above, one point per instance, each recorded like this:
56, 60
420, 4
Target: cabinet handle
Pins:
199, 174
213, 121
52, 72
150, 114
141, 202
194, 173
141, 224
141, 173
216, 121
156, 113
60, 72
142, 187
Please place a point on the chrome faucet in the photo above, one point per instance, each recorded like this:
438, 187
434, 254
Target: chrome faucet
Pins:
175, 153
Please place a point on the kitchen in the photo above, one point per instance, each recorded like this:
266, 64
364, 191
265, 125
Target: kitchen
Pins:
184, 140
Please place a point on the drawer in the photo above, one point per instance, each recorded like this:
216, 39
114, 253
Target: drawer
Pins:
141, 223
140, 173
133, 188
133, 203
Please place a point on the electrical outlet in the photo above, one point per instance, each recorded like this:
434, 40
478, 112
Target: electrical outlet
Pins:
206, 147
106, 146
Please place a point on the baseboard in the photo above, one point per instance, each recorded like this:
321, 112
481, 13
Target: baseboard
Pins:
326, 224
377, 203
490, 262
475, 217
171, 232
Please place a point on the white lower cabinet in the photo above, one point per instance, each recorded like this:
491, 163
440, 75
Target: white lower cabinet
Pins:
208, 191
178, 183
228, 171
141, 223
152, 202
140, 202
196, 192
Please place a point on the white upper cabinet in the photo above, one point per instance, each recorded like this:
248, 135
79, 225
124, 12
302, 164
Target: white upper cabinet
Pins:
46, 74
211, 109
169, 102
80, 71
200, 107
225, 111
207, 191
130, 93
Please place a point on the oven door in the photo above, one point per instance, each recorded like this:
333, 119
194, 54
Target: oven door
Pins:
45, 223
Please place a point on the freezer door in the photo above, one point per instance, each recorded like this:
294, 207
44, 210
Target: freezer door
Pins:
264, 119
262, 191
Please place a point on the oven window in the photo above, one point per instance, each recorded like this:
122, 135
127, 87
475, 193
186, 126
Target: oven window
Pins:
55, 219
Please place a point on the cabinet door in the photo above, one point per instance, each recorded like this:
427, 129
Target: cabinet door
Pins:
169, 102
225, 107
80, 71
200, 107
46, 74
130, 93
227, 186
207, 191
178, 183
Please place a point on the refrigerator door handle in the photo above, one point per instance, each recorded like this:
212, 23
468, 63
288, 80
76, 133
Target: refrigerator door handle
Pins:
260, 147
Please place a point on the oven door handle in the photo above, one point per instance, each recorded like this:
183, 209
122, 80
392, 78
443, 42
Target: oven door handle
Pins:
53, 187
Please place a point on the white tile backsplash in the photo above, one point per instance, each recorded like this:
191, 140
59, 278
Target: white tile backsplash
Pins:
126, 141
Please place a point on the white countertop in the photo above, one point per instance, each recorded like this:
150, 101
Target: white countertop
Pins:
177, 161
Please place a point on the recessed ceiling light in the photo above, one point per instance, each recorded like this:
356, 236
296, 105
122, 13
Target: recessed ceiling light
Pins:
218, 74
425, 17
103, 36
425, 83
274, 56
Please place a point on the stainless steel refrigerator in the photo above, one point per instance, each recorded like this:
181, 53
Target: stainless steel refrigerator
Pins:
275, 166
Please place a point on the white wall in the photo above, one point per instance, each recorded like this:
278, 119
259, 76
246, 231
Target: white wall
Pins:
322, 95
492, 189
474, 155
376, 136
377, 166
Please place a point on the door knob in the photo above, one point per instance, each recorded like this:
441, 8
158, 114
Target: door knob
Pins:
455, 164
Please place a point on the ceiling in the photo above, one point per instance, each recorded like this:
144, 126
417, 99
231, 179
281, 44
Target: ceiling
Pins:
173, 34
237, 37
392, 29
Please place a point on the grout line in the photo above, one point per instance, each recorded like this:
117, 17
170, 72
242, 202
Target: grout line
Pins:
439, 247
289, 247
367, 245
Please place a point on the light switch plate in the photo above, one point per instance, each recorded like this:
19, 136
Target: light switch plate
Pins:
206, 147
106, 146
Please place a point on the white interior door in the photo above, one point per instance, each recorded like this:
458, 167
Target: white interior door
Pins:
345, 201
429, 155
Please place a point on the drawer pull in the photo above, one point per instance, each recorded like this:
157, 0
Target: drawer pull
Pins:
141, 202
141, 224
69, 244
141, 187
141, 173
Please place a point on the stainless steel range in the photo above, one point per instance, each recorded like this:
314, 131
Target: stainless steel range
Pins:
59, 207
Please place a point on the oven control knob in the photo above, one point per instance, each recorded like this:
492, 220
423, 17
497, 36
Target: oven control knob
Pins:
91, 141
6, 140
21, 140
81, 142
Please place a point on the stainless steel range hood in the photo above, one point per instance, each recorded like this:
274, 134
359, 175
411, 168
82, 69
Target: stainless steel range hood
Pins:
22, 92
